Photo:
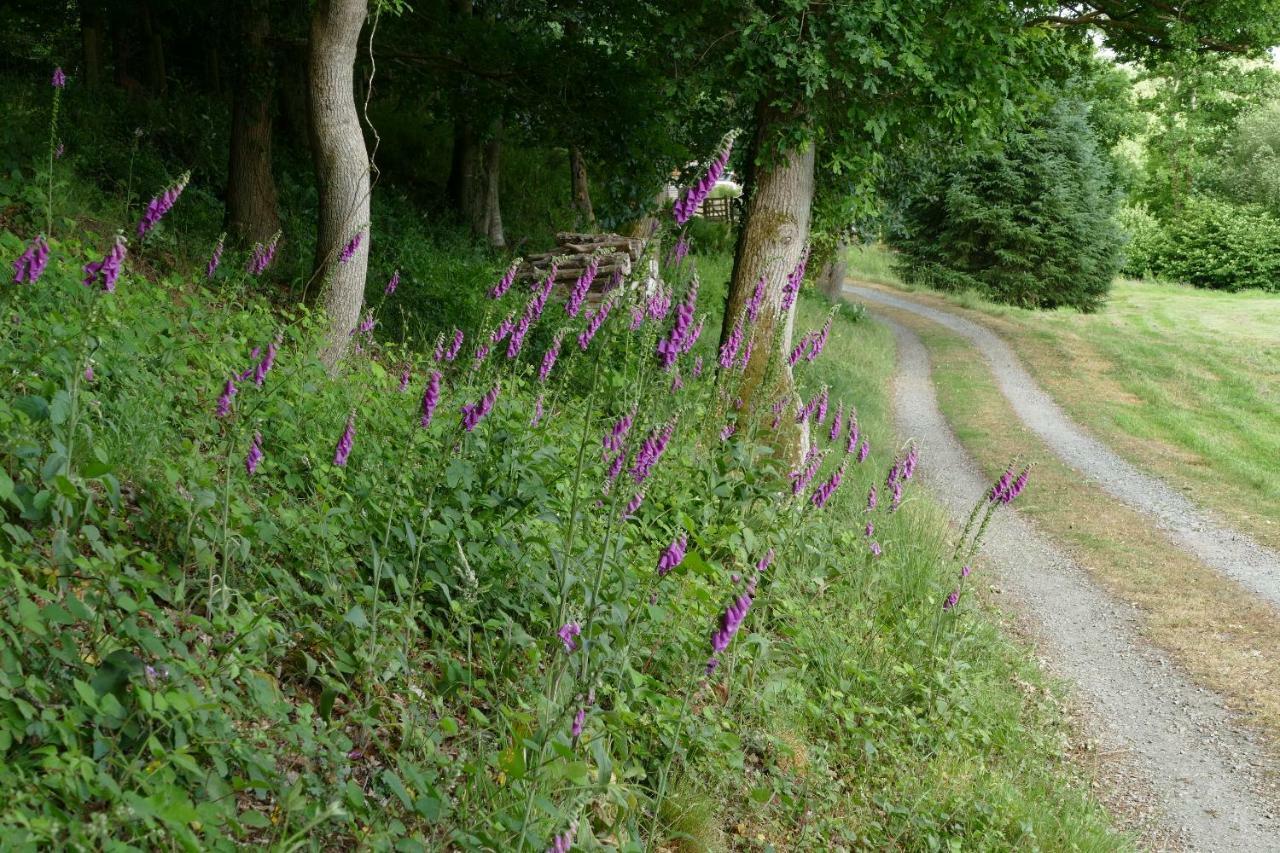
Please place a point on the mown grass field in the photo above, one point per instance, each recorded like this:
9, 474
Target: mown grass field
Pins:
1182, 382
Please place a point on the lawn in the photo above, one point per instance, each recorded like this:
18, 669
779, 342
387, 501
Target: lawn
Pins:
1181, 381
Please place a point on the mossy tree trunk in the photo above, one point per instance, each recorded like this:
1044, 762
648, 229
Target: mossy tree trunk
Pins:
251, 188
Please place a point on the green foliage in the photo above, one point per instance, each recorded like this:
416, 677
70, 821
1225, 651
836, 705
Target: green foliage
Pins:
1031, 225
1250, 172
1211, 243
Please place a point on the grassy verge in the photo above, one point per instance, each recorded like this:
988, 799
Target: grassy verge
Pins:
1224, 637
1180, 381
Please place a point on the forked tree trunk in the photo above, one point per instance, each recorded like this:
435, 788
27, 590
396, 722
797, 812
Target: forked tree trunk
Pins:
342, 165
251, 189
770, 243
93, 36
581, 189
834, 272
488, 220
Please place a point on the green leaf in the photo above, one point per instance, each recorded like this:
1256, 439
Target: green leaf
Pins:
355, 616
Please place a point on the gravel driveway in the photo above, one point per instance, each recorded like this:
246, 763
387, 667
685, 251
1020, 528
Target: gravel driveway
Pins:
1194, 529
1175, 740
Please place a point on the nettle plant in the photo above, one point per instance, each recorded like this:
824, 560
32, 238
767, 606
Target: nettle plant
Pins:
454, 581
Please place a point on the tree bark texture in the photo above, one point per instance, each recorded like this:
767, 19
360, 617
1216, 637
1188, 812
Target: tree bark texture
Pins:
488, 220
834, 272
462, 169
252, 215
581, 188
770, 244
341, 163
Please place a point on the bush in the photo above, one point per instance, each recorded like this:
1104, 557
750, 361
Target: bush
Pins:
1213, 244
1032, 225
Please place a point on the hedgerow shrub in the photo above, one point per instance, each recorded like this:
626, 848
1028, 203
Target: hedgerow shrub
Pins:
1031, 225
1211, 243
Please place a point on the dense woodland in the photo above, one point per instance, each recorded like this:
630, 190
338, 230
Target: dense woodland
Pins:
344, 506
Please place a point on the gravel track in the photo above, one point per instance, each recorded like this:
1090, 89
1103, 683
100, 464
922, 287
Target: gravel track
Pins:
1176, 741
1194, 529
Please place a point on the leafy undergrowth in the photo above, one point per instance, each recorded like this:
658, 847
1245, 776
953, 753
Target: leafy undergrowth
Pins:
460, 638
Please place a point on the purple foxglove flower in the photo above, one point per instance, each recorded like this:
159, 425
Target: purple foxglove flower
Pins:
30, 264
728, 431
537, 412
870, 530
692, 338
798, 351
756, 300
346, 442
823, 401
60, 150
896, 490
549, 358
405, 375
367, 324
693, 197
615, 468
452, 352
538, 301
952, 600
673, 555
161, 204
349, 250
249, 371
729, 350
106, 271
568, 631
633, 505
482, 352
473, 413
697, 366
676, 383
670, 347
964, 571
837, 423
909, 462
579, 720
224, 402
517, 337
59, 79
876, 550
254, 456
88, 373
678, 251
872, 500
504, 284
823, 493
617, 434
863, 451
651, 450
216, 258
506, 327
659, 303
430, 398
1001, 486
804, 476
819, 341
730, 621
392, 284
1018, 485
765, 561
268, 361
263, 255
637, 317
792, 288
563, 842
578, 293
852, 443
594, 323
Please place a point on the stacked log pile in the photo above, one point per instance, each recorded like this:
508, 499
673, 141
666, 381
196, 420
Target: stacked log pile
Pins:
574, 252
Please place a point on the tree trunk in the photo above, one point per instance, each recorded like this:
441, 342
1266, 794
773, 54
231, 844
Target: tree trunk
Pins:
154, 44
771, 242
93, 27
342, 165
251, 189
581, 189
835, 271
462, 170
488, 221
